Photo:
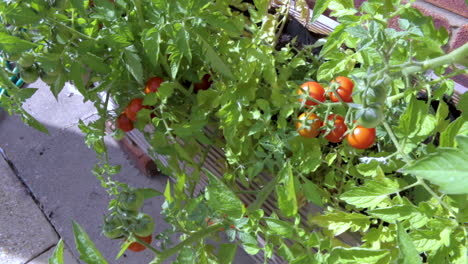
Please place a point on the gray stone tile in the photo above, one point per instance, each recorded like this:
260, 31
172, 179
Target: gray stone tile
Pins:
24, 231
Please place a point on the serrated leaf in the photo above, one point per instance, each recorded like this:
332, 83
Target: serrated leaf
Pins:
280, 227
226, 253
426, 240
457, 127
77, 72
286, 192
149, 192
133, 65
58, 85
14, 45
216, 62
312, 192
319, 7
393, 213
370, 194
19, 15
57, 256
341, 255
221, 198
307, 155
85, 246
447, 168
339, 222
151, 39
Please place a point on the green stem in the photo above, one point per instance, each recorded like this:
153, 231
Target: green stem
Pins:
139, 240
72, 30
283, 23
194, 237
429, 190
396, 143
459, 55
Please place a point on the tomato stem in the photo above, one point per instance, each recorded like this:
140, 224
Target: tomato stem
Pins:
141, 241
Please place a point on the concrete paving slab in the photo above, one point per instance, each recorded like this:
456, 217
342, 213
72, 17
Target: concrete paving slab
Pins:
24, 230
68, 258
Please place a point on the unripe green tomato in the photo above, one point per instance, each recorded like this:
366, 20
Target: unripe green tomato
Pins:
371, 116
131, 200
143, 225
26, 60
375, 95
29, 75
112, 227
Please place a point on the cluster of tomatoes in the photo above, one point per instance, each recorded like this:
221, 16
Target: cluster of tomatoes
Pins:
127, 118
360, 137
125, 218
129, 115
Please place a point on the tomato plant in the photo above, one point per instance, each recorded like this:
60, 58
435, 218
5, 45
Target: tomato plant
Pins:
390, 197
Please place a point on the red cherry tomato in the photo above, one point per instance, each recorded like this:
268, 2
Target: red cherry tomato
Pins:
153, 84
204, 84
361, 137
137, 247
315, 90
124, 123
344, 91
133, 108
336, 135
313, 129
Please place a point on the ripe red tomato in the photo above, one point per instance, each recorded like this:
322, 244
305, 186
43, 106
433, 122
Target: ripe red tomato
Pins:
313, 129
315, 90
336, 135
153, 84
361, 137
133, 108
204, 84
137, 247
344, 91
124, 123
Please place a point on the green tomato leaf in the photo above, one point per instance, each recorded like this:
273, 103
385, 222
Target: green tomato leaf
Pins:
408, 252
339, 222
463, 104
186, 256
88, 251
18, 15
133, 64
79, 5
57, 256
221, 198
227, 252
447, 168
151, 39
14, 45
58, 85
286, 192
279, 227
149, 192
312, 192
370, 194
356, 255
319, 7
394, 213
216, 62
458, 127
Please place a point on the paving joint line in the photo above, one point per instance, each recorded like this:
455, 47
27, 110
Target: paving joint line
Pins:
15, 171
38, 255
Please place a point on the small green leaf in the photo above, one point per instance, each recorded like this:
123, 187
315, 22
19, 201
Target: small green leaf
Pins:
149, 192
186, 256
151, 40
408, 252
88, 251
394, 213
58, 85
133, 65
221, 198
447, 167
339, 222
312, 192
14, 45
19, 15
167, 193
286, 192
463, 104
370, 194
457, 127
226, 253
279, 227
354, 255
319, 7
216, 62
57, 256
